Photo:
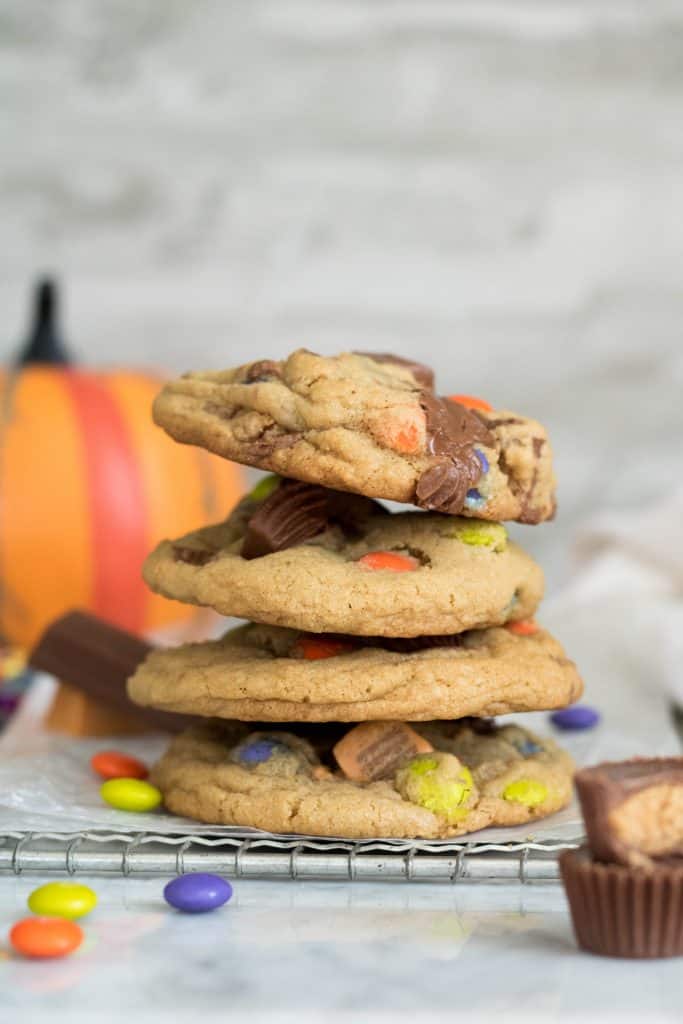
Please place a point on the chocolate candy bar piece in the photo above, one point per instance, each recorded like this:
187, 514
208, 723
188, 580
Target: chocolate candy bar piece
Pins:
633, 810
374, 750
96, 658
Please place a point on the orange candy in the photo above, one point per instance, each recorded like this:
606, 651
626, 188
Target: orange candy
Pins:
112, 764
45, 937
470, 402
313, 648
391, 560
526, 627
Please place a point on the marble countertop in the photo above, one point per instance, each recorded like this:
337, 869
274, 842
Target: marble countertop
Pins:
313, 951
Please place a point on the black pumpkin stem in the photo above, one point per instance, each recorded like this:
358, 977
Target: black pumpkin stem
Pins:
44, 343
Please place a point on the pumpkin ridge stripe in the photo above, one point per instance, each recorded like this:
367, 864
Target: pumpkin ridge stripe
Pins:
116, 499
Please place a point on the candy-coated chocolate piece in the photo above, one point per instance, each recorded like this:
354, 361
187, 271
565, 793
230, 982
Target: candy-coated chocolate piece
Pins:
484, 461
391, 560
45, 937
258, 751
197, 893
130, 795
62, 899
529, 792
374, 750
313, 648
525, 627
439, 783
265, 487
112, 764
471, 402
474, 500
480, 533
579, 716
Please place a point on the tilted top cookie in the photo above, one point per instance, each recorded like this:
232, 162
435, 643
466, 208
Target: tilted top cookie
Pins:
367, 424
324, 561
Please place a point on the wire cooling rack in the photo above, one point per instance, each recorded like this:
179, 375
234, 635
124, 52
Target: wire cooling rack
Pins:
110, 853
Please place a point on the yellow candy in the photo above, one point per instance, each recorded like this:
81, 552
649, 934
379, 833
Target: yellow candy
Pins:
130, 795
482, 534
62, 899
439, 783
265, 487
529, 792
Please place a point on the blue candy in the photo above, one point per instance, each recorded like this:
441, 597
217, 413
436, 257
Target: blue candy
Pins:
484, 461
580, 716
258, 751
197, 893
528, 748
474, 499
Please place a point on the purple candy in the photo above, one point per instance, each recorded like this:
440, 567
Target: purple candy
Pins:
258, 751
484, 461
580, 716
197, 893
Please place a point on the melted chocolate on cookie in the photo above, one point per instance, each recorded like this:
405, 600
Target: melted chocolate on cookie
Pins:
452, 432
424, 375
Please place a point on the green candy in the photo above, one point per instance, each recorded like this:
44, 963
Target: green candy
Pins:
479, 533
265, 487
529, 792
439, 783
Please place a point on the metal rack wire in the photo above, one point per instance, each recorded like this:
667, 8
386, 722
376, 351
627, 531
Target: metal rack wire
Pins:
249, 856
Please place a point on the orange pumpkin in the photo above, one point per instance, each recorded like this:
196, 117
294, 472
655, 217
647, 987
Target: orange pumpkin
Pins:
88, 485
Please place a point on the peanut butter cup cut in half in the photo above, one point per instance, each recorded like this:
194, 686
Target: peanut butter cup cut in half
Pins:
625, 887
386, 779
303, 556
266, 673
370, 424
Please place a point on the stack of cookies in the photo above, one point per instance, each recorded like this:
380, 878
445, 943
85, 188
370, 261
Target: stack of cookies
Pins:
358, 699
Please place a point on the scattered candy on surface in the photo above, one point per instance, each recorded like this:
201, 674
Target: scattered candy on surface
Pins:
471, 402
112, 764
481, 534
579, 716
130, 795
525, 627
391, 560
45, 937
197, 893
439, 783
529, 792
313, 648
265, 487
62, 899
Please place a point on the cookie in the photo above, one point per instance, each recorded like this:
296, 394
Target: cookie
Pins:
266, 673
365, 571
290, 781
369, 424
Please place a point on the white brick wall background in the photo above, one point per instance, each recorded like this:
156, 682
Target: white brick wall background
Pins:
496, 188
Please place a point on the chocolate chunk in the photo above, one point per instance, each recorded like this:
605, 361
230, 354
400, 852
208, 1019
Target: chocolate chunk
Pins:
264, 369
98, 659
452, 432
396, 644
374, 750
293, 513
633, 810
296, 512
192, 556
424, 375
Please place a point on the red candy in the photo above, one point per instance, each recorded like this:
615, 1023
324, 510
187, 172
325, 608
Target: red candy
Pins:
112, 764
45, 937
470, 402
391, 560
526, 627
313, 648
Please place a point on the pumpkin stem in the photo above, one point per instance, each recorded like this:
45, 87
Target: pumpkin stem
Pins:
44, 343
